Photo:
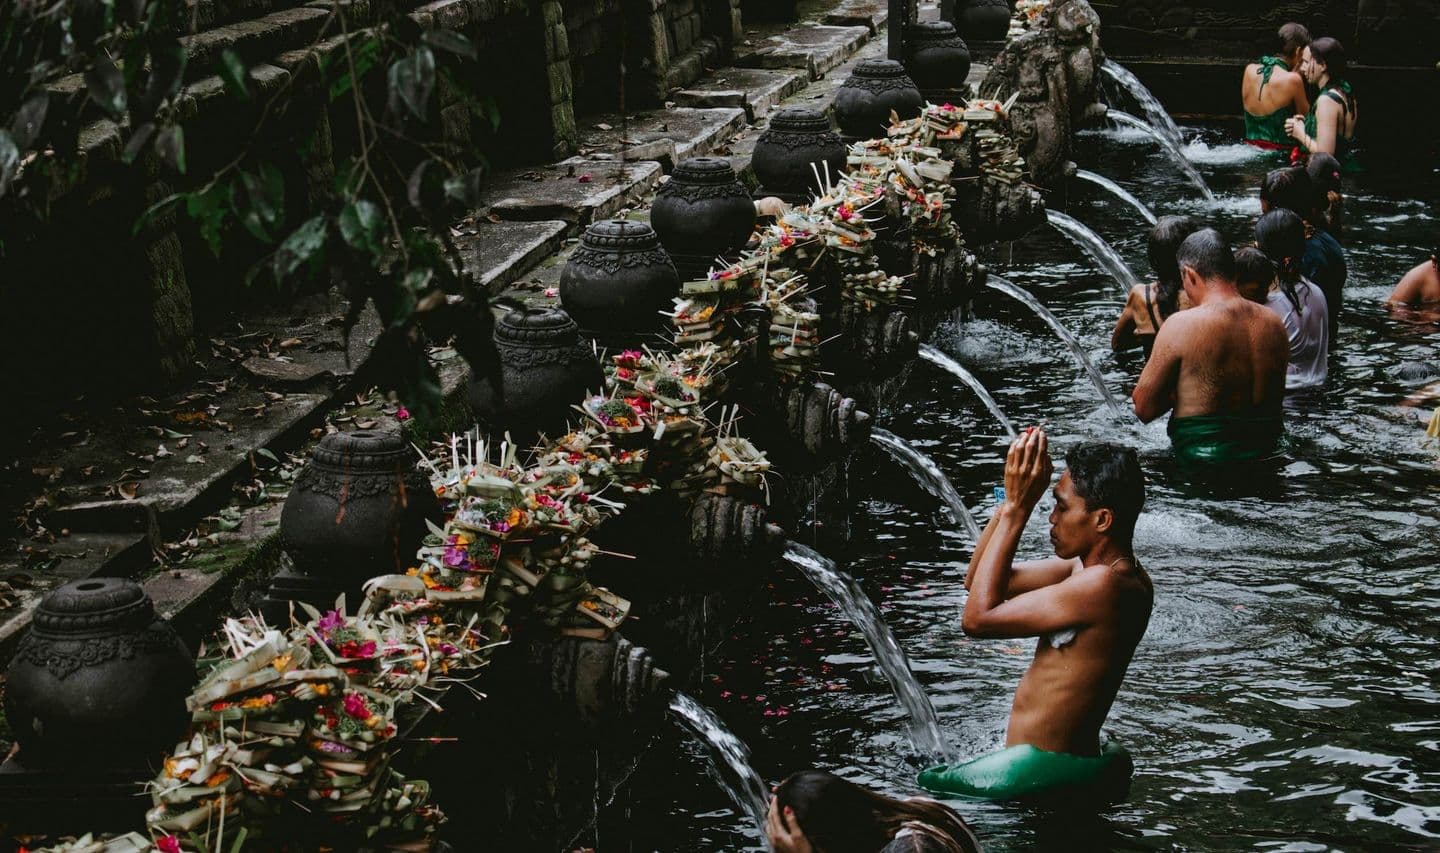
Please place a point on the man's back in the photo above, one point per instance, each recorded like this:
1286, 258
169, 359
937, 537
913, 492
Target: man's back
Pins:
1230, 358
1419, 286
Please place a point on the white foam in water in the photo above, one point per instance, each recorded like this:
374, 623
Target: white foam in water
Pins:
1223, 155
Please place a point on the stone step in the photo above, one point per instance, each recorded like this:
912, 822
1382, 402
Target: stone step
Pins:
756, 90
818, 49
578, 191
499, 253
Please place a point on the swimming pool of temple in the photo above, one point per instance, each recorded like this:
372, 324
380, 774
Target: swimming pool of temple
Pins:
1285, 696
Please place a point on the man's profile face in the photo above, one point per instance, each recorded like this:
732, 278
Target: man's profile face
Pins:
1072, 525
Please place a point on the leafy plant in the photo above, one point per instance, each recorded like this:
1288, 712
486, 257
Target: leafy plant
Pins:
383, 233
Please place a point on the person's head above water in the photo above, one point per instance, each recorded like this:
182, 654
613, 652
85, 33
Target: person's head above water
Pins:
1325, 62
1253, 273
1293, 38
1099, 497
1204, 257
837, 816
1281, 236
1324, 172
1165, 238
1290, 188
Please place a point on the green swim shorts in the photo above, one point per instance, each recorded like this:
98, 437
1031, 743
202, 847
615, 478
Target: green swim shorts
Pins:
1225, 439
1023, 772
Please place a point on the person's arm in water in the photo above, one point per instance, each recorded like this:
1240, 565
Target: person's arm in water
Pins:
1123, 337
993, 609
1154, 393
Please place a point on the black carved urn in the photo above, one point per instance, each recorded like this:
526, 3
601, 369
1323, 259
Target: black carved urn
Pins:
702, 213
98, 681
617, 282
981, 20
874, 89
797, 138
357, 510
544, 371
936, 59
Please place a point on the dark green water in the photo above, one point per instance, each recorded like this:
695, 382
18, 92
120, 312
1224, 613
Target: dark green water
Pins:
1285, 696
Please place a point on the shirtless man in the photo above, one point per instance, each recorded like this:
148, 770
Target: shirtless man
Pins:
1220, 366
1089, 604
1420, 286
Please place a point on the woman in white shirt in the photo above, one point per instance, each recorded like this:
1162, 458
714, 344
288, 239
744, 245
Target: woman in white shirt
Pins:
1299, 302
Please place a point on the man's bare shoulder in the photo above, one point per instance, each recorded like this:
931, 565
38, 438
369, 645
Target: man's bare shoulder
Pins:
1122, 578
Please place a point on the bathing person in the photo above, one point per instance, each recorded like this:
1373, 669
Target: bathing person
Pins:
817, 811
1253, 274
1218, 367
1324, 172
1272, 90
1420, 286
1324, 259
1295, 299
1329, 126
1089, 606
1148, 305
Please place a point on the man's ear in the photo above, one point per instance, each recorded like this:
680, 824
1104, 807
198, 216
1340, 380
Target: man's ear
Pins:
1104, 520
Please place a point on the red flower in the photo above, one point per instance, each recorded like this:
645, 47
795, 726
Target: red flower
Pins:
167, 844
355, 706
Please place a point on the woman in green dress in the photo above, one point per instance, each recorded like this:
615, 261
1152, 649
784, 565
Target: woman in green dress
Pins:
1329, 126
1272, 90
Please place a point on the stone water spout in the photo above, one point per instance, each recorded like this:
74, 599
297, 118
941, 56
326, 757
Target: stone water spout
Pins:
725, 528
1053, 74
598, 680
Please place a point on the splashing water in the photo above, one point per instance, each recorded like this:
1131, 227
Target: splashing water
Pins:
740, 781
1155, 111
969, 380
1181, 161
927, 473
845, 592
1119, 192
1009, 288
1095, 246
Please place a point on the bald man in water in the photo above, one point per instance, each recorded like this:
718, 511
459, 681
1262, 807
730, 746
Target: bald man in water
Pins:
1219, 367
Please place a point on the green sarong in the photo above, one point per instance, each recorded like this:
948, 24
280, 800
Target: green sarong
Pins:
1268, 131
1025, 772
1224, 439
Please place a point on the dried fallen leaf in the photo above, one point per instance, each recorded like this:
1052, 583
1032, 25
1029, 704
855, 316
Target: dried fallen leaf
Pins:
161, 452
274, 396
192, 459
290, 343
182, 444
365, 424
191, 418
603, 126
128, 490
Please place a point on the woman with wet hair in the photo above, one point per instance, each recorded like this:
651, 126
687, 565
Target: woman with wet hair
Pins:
1272, 90
820, 812
1295, 299
1148, 305
1329, 126
1324, 171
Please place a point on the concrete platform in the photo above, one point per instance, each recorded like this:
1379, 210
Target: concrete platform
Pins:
871, 14
755, 90
578, 191
499, 253
816, 48
664, 136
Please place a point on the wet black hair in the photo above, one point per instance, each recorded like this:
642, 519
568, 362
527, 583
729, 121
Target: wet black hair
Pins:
1253, 267
1291, 189
1108, 476
1281, 236
1331, 52
1324, 173
1207, 252
838, 816
1165, 238
1292, 38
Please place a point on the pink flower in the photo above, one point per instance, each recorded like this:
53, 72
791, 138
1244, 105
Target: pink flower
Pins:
329, 622
167, 844
456, 555
355, 706
402, 414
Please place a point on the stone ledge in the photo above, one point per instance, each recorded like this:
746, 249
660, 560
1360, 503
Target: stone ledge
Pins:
665, 136
578, 191
756, 90
499, 253
871, 14
818, 49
